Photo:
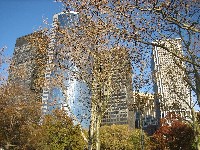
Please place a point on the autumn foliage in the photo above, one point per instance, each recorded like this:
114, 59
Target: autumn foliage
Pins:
23, 127
57, 132
121, 137
173, 134
18, 112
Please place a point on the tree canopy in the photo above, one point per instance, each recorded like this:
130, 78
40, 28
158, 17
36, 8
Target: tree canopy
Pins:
174, 134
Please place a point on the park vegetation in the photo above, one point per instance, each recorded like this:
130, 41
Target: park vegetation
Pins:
105, 26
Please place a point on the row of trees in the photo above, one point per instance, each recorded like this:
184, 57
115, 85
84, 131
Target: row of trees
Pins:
21, 128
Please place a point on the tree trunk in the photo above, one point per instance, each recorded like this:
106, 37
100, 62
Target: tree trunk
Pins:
197, 82
92, 127
196, 130
98, 143
198, 98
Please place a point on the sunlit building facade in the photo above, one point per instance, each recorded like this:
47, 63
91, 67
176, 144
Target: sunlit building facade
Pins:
173, 94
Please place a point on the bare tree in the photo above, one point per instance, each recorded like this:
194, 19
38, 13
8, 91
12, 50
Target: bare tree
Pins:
140, 24
147, 22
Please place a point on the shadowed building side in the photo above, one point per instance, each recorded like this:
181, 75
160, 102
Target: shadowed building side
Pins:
113, 86
28, 62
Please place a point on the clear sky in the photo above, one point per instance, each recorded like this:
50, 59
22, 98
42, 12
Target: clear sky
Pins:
22, 17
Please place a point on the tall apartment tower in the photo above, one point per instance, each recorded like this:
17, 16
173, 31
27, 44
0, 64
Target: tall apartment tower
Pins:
29, 58
113, 85
173, 94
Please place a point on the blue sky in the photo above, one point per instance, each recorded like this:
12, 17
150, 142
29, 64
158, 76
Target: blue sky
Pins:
22, 17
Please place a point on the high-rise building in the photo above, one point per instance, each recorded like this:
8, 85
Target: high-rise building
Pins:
173, 94
27, 66
113, 85
62, 87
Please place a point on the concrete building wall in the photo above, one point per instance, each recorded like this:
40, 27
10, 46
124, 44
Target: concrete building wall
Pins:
173, 93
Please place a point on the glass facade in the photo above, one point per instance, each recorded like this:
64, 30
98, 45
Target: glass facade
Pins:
70, 93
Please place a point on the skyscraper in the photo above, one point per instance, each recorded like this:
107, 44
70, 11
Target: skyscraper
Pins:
173, 93
62, 87
113, 86
27, 66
